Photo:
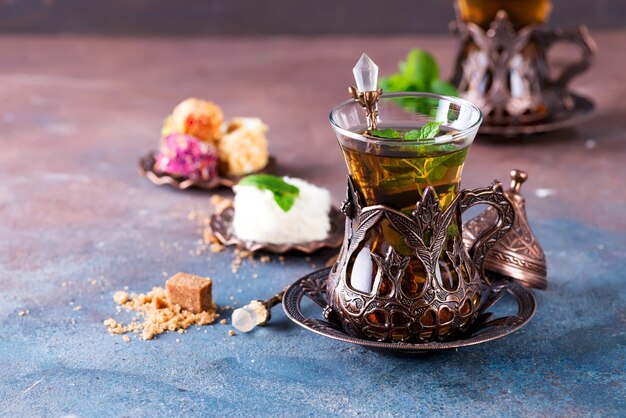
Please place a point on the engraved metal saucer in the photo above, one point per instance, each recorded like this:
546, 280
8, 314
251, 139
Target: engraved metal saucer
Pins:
486, 327
581, 111
221, 227
146, 169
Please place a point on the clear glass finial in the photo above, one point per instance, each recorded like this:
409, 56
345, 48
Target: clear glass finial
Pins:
251, 315
366, 74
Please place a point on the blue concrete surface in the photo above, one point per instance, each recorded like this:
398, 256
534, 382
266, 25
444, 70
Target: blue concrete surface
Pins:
569, 361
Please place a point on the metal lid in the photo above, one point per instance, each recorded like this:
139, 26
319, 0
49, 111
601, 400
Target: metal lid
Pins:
518, 255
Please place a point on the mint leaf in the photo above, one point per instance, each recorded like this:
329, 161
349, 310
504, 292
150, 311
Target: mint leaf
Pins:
455, 158
428, 131
286, 201
443, 87
421, 68
285, 194
386, 133
413, 134
418, 72
395, 82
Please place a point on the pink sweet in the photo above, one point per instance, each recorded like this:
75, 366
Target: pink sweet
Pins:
185, 156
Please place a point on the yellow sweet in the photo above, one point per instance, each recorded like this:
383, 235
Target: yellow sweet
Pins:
199, 118
243, 148
168, 127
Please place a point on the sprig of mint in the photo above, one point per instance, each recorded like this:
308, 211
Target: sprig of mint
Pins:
419, 72
386, 133
285, 194
428, 131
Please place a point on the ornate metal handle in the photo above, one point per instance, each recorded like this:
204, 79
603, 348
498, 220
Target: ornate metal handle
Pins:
495, 197
580, 38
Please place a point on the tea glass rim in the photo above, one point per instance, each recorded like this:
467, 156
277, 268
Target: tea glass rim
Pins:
439, 140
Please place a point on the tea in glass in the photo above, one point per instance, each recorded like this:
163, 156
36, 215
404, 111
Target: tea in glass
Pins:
521, 12
394, 173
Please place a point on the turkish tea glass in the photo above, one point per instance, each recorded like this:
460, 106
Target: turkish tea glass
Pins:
381, 262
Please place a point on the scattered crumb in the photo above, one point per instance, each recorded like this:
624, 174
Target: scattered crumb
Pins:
164, 273
220, 203
23, 313
177, 340
254, 275
265, 259
209, 242
120, 297
281, 259
216, 248
193, 215
223, 322
157, 313
208, 237
231, 333
240, 255
94, 282
113, 326
64, 284
126, 338
77, 308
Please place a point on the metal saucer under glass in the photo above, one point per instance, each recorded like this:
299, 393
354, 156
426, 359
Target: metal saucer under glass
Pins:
487, 326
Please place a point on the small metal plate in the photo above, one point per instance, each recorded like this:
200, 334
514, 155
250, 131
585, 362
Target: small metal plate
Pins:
485, 328
582, 111
146, 169
221, 226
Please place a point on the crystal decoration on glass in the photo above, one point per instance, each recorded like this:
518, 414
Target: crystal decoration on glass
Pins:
366, 74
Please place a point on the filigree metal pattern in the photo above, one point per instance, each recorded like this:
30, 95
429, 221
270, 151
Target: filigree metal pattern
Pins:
485, 328
506, 73
369, 101
495, 197
517, 255
439, 310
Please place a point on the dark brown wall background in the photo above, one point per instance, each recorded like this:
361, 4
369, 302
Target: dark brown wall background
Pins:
265, 17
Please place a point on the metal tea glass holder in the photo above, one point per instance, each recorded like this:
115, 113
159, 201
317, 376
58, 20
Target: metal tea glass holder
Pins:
411, 280
506, 73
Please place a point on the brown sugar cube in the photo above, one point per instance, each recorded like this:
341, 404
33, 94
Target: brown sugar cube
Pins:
191, 292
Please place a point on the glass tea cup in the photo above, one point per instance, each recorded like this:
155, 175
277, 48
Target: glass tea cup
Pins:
403, 273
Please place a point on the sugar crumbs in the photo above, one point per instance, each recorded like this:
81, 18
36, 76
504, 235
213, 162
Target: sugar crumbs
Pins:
157, 313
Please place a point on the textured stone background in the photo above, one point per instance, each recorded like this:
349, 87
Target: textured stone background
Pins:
255, 17
76, 114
